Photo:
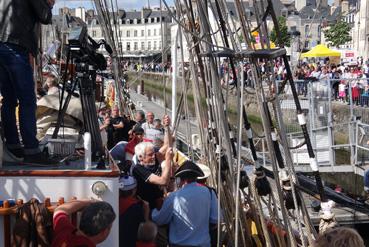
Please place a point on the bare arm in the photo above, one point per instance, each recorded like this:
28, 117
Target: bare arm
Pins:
164, 178
168, 140
72, 207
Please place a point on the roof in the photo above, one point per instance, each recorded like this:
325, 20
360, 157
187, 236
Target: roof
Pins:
277, 4
335, 15
148, 13
66, 21
308, 12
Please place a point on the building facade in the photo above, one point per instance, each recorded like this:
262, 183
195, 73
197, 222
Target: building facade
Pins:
361, 29
140, 34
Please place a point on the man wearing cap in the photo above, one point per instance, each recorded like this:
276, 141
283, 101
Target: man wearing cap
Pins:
132, 211
138, 136
188, 223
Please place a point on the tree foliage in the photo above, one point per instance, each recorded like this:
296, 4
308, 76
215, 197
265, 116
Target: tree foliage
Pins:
286, 38
338, 34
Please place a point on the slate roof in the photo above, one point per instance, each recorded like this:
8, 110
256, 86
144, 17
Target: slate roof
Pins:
277, 4
308, 12
335, 15
130, 15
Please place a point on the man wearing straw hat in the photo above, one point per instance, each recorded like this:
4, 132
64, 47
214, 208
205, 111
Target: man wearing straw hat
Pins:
188, 221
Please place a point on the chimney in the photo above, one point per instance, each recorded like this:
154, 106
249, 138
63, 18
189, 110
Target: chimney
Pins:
337, 3
145, 12
345, 7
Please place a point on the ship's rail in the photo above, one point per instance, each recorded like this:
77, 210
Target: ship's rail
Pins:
9, 209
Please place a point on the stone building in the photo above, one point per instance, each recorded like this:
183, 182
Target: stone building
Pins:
361, 29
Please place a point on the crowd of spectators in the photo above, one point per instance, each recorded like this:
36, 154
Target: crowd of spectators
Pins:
342, 81
148, 67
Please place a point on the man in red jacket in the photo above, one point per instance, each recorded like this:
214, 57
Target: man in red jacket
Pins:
95, 223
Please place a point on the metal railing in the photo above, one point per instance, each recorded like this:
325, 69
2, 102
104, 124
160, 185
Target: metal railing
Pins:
336, 118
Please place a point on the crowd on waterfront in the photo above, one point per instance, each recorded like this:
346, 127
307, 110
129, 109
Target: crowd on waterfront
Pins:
341, 83
155, 67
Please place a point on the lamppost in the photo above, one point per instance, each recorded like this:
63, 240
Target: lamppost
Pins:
295, 45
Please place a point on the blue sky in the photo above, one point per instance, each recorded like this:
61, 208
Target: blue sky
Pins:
125, 4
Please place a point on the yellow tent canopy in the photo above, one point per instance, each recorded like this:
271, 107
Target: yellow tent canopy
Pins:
321, 51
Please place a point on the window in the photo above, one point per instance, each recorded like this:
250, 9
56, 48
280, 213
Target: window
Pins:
154, 32
149, 32
93, 33
120, 33
155, 45
135, 33
128, 34
149, 45
307, 44
128, 46
136, 46
120, 45
159, 45
142, 45
307, 29
142, 33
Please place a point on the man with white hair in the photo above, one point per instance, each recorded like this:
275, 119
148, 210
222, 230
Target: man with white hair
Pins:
149, 173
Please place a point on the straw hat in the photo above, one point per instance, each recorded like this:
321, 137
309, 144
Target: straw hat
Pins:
205, 169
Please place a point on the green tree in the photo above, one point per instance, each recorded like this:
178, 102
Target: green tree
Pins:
283, 30
338, 33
